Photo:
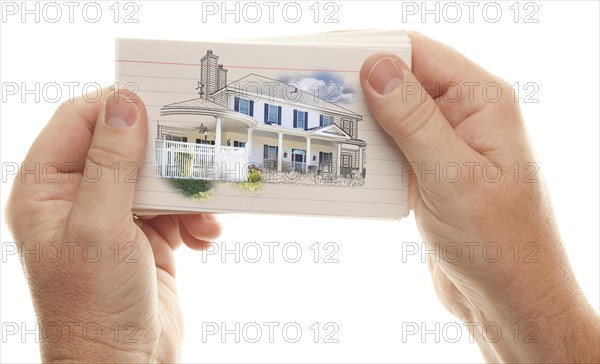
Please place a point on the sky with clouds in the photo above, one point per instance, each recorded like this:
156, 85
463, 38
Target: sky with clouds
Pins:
323, 85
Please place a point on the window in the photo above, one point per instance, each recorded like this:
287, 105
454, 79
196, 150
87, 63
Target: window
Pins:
301, 119
325, 158
273, 114
244, 106
237, 144
326, 120
347, 126
202, 141
175, 138
270, 157
346, 160
270, 152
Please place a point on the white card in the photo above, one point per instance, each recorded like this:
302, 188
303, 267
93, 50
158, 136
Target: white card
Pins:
264, 126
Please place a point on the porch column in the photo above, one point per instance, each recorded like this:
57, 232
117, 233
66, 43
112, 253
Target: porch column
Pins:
360, 160
339, 158
218, 145
249, 146
279, 152
163, 158
218, 131
308, 154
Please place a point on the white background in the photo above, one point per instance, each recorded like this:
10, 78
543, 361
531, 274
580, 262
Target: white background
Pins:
370, 293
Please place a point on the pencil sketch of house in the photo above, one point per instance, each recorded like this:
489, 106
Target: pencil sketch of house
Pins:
290, 134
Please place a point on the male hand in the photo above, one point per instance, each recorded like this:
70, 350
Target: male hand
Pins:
500, 260
110, 295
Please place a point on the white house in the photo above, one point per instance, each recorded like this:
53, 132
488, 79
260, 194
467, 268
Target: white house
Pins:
256, 121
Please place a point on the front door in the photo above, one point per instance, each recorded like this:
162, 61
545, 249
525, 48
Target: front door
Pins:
325, 161
346, 165
299, 159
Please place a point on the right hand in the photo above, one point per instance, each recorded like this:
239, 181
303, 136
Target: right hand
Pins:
530, 283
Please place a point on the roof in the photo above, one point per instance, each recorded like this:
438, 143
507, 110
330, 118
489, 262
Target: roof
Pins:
200, 106
196, 104
280, 90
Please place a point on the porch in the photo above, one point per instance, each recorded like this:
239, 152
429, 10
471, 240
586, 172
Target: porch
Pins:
175, 159
228, 142
200, 161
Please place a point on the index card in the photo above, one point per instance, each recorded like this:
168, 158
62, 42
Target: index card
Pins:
275, 126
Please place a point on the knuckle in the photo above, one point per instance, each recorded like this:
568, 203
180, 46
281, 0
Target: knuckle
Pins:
105, 157
415, 117
66, 107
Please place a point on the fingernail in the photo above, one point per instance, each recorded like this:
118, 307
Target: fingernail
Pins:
385, 75
121, 111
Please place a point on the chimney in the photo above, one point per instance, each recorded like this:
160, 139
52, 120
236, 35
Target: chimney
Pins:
208, 74
222, 77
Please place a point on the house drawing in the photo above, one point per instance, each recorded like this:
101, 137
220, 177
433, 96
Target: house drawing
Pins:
260, 121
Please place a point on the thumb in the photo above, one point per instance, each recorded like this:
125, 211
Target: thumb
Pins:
405, 110
116, 154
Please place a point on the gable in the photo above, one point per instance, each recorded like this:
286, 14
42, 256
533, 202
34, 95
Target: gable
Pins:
332, 130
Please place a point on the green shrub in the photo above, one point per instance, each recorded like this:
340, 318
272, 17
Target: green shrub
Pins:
254, 183
202, 196
254, 176
194, 188
250, 187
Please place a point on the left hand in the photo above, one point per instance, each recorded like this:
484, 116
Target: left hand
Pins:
110, 292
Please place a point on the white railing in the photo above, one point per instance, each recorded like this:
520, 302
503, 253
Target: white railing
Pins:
286, 166
199, 161
232, 163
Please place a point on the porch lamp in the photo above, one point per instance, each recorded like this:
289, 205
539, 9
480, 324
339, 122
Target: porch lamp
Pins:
285, 154
203, 129
314, 157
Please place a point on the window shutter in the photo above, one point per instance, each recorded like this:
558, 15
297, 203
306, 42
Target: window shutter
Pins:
295, 118
236, 104
265, 151
251, 108
278, 115
266, 113
306, 120
320, 120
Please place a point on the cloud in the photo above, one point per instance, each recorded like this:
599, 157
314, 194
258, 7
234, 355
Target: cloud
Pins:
322, 85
